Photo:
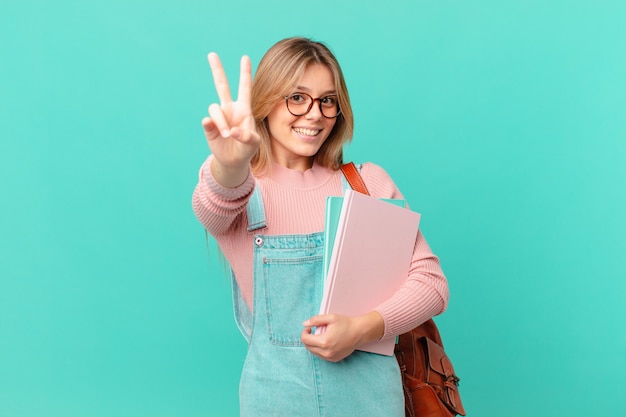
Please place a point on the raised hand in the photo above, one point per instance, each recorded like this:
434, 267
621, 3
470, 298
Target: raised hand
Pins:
230, 128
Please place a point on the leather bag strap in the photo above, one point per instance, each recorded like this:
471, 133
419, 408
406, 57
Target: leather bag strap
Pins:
354, 178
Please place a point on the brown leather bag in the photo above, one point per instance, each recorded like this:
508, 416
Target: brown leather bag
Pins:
431, 388
428, 379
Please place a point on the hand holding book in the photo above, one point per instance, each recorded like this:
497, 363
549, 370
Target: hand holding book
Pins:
343, 334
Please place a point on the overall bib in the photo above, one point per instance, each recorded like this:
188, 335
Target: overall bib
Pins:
280, 376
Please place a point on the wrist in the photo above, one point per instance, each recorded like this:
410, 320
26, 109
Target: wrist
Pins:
229, 176
371, 327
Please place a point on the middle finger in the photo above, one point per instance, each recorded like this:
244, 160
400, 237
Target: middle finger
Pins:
245, 81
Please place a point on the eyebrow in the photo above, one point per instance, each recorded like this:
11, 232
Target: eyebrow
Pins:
325, 93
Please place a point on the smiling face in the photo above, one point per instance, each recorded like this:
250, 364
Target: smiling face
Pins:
296, 139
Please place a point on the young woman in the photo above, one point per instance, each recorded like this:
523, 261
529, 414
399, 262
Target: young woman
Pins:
275, 157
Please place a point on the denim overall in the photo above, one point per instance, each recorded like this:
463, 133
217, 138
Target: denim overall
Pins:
280, 376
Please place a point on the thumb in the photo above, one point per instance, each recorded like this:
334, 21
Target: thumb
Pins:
244, 135
319, 320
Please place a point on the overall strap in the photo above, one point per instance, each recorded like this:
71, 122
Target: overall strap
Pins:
256, 220
256, 211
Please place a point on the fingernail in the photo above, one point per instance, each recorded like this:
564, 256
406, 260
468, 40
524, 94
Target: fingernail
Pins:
226, 133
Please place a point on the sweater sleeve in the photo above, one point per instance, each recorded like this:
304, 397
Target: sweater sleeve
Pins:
425, 293
218, 207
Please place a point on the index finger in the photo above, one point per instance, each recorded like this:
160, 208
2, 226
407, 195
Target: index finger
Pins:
244, 92
219, 78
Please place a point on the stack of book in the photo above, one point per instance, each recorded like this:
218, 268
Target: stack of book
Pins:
369, 247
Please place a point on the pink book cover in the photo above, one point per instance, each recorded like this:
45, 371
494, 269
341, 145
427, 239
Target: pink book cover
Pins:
370, 259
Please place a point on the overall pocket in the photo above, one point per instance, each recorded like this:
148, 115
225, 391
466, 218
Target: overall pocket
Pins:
293, 289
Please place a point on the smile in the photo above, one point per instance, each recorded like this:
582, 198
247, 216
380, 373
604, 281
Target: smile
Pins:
306, 132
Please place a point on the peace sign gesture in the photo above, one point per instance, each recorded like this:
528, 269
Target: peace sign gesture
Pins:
230, 128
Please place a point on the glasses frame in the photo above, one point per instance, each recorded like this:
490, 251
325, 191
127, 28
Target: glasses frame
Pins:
313, 100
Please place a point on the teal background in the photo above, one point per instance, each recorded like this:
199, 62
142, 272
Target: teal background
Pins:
502, 122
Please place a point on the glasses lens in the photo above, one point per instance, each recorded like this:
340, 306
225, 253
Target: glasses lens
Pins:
299, 104
329, 106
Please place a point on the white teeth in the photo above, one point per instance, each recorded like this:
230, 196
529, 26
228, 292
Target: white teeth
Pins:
307, 132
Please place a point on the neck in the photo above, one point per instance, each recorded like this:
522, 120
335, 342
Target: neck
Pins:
296, 164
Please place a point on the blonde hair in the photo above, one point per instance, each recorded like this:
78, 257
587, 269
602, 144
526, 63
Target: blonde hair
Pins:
280, 69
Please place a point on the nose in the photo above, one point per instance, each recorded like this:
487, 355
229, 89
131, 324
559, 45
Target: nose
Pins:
316, 111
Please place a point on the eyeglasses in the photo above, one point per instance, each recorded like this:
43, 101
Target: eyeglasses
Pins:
300, 104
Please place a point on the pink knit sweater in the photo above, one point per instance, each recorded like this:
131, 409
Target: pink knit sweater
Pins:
295, 204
